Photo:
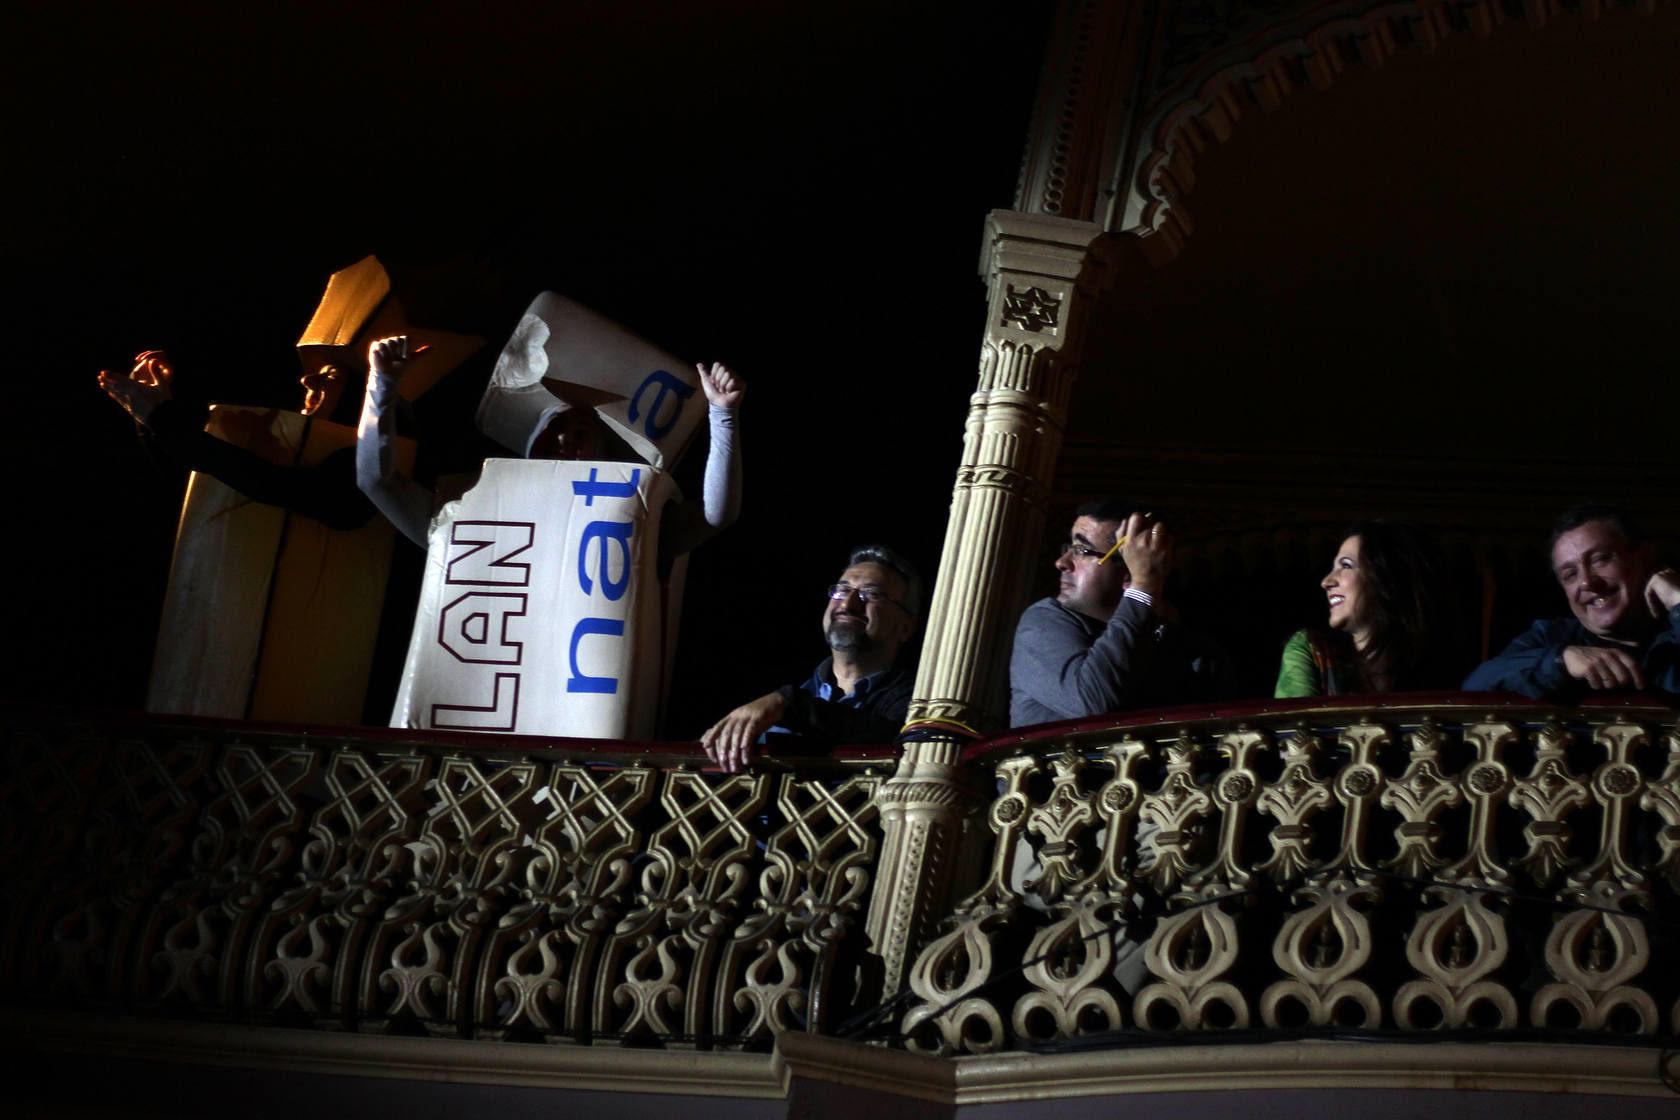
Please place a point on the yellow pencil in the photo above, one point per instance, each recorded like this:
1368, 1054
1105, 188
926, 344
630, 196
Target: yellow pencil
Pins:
1109, 555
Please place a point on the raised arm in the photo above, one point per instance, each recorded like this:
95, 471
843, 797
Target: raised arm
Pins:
405, 502
325, 491
1063, 668
145, 387
691, 523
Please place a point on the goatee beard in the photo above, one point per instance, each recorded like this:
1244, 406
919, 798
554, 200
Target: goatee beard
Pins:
848, 636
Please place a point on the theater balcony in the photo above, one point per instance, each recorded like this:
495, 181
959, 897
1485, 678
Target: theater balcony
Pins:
1464, 903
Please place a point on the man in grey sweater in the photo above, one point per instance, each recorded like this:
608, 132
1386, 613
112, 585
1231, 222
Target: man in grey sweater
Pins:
1107, 641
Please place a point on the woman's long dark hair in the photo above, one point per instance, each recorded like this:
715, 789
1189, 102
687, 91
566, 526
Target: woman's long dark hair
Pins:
1404, 580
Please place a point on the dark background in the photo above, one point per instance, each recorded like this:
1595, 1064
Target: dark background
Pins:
1467, 251
796, 191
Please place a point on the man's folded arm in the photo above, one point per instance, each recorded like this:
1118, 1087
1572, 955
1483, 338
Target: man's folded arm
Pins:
1532, 665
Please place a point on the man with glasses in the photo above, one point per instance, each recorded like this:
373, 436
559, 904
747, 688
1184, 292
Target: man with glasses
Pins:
857, 695
1107, 641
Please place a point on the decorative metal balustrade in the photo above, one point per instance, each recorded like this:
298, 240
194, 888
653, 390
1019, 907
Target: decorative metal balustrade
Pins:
1406, 868
1436, 866
567, 892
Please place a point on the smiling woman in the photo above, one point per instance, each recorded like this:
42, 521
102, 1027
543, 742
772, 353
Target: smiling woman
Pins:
1387, 622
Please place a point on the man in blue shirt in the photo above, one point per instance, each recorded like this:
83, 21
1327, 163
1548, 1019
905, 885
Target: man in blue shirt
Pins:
1626, 631
857, 695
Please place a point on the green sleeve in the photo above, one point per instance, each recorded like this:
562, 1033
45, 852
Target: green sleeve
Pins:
1298, 675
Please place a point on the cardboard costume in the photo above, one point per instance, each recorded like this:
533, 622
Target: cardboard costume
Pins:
552, 587
269, 614
272, 610
541, 611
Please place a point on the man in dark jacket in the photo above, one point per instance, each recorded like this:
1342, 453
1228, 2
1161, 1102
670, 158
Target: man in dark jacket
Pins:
1625, 633
857, 695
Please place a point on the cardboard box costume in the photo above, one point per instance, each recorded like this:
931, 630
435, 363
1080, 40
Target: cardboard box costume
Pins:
269, 615
542, 611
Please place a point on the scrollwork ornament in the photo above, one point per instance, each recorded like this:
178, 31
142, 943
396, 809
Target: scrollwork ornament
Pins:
650, 996
1295, 797
189, 960
1594, 954
350, 871
1066, 815
416, 981
1455, 948
1616, 785
1420, 795
1357, 786
816, 879
198, 935
1548, 794
532, 992
1008, 819
774, 990
1662, 797
1175, 809
1190, 952
1321, 948
400, 886
1485, 783
1234, 793
949, 1018
1118, 801
1070, 966
301, 967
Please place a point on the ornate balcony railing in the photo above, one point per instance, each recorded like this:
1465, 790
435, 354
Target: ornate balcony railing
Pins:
1448, 864
566, 891
1418, 867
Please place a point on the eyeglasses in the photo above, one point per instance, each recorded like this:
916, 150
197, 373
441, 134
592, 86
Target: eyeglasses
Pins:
840, 591
1080, 551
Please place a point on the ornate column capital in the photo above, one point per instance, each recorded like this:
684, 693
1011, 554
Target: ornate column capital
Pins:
1034, 266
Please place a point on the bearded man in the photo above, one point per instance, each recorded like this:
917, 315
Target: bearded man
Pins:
857, 695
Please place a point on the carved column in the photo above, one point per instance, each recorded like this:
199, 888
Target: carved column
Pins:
1042, 273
